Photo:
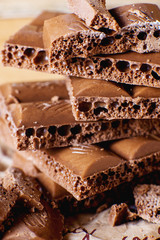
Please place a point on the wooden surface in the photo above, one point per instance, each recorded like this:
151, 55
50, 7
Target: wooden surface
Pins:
16, 8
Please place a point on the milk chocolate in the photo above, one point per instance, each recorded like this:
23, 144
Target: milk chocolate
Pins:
94, 13
51, 123
25, 48
93, 169
130, 68
90, 101
47, 224
147, 201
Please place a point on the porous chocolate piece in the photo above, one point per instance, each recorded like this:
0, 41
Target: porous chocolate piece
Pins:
87, 170
51, 123
130, 68
120, 214
47, 224
25, 48
94, 13
8, 200
147, 201
67, 36
25, 187
90, 101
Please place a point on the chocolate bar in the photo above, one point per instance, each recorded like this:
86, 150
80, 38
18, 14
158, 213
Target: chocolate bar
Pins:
25, 48
130, 68
147, 201
94, 13
66, 36
51, 123
90, 101
93, 169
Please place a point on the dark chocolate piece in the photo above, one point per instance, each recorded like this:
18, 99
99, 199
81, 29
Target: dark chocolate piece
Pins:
120, 214
94, 13
47, 224
50, 126
147, 201
91, 169
90, 101
25, 49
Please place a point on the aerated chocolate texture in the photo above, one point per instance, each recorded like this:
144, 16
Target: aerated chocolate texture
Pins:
66, 36
94, 13
130, 68
25, 49
87, 170
147, 201
52, 124
99, 99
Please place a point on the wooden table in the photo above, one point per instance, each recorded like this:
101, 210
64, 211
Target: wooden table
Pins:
10, 26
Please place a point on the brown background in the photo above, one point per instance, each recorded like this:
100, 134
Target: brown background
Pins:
16, 13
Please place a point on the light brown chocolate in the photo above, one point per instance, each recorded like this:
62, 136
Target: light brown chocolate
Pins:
120, 214
147, 201
90, 101
51, 123
94, 13
91, 169
47, 224
25, 48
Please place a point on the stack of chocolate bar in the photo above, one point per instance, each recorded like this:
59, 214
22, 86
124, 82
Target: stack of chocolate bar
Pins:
96, 132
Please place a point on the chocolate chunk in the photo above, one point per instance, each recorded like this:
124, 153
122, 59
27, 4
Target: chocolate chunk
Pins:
47, 224
25, 187
51, 123
25, 48
147, 201
94, 13
91, 169
90, 101
120, 214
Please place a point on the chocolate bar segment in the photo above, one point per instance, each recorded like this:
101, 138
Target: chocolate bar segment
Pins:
51, 123
91, 169
25, 48
147, 201
90, 101
94, 13
129, 68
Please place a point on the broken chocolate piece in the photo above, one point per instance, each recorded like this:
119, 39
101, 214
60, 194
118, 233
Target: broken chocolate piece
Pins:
90, 101
120, 214
147, 201
91, 169
26, 187
47, 224
48, 126
94, 13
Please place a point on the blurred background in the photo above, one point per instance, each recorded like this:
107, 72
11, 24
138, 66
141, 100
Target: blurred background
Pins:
30, 8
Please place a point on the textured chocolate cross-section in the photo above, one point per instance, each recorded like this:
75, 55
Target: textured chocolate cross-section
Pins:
147, 201
51, 123
87, 170
93, 99
94, 13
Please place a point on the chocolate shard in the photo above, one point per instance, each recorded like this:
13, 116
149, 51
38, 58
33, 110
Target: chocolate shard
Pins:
90, 101
51, 123
147, 201
93, 169
25, 48
94, 13
47, 224
25, 187
120, 214
129, 68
